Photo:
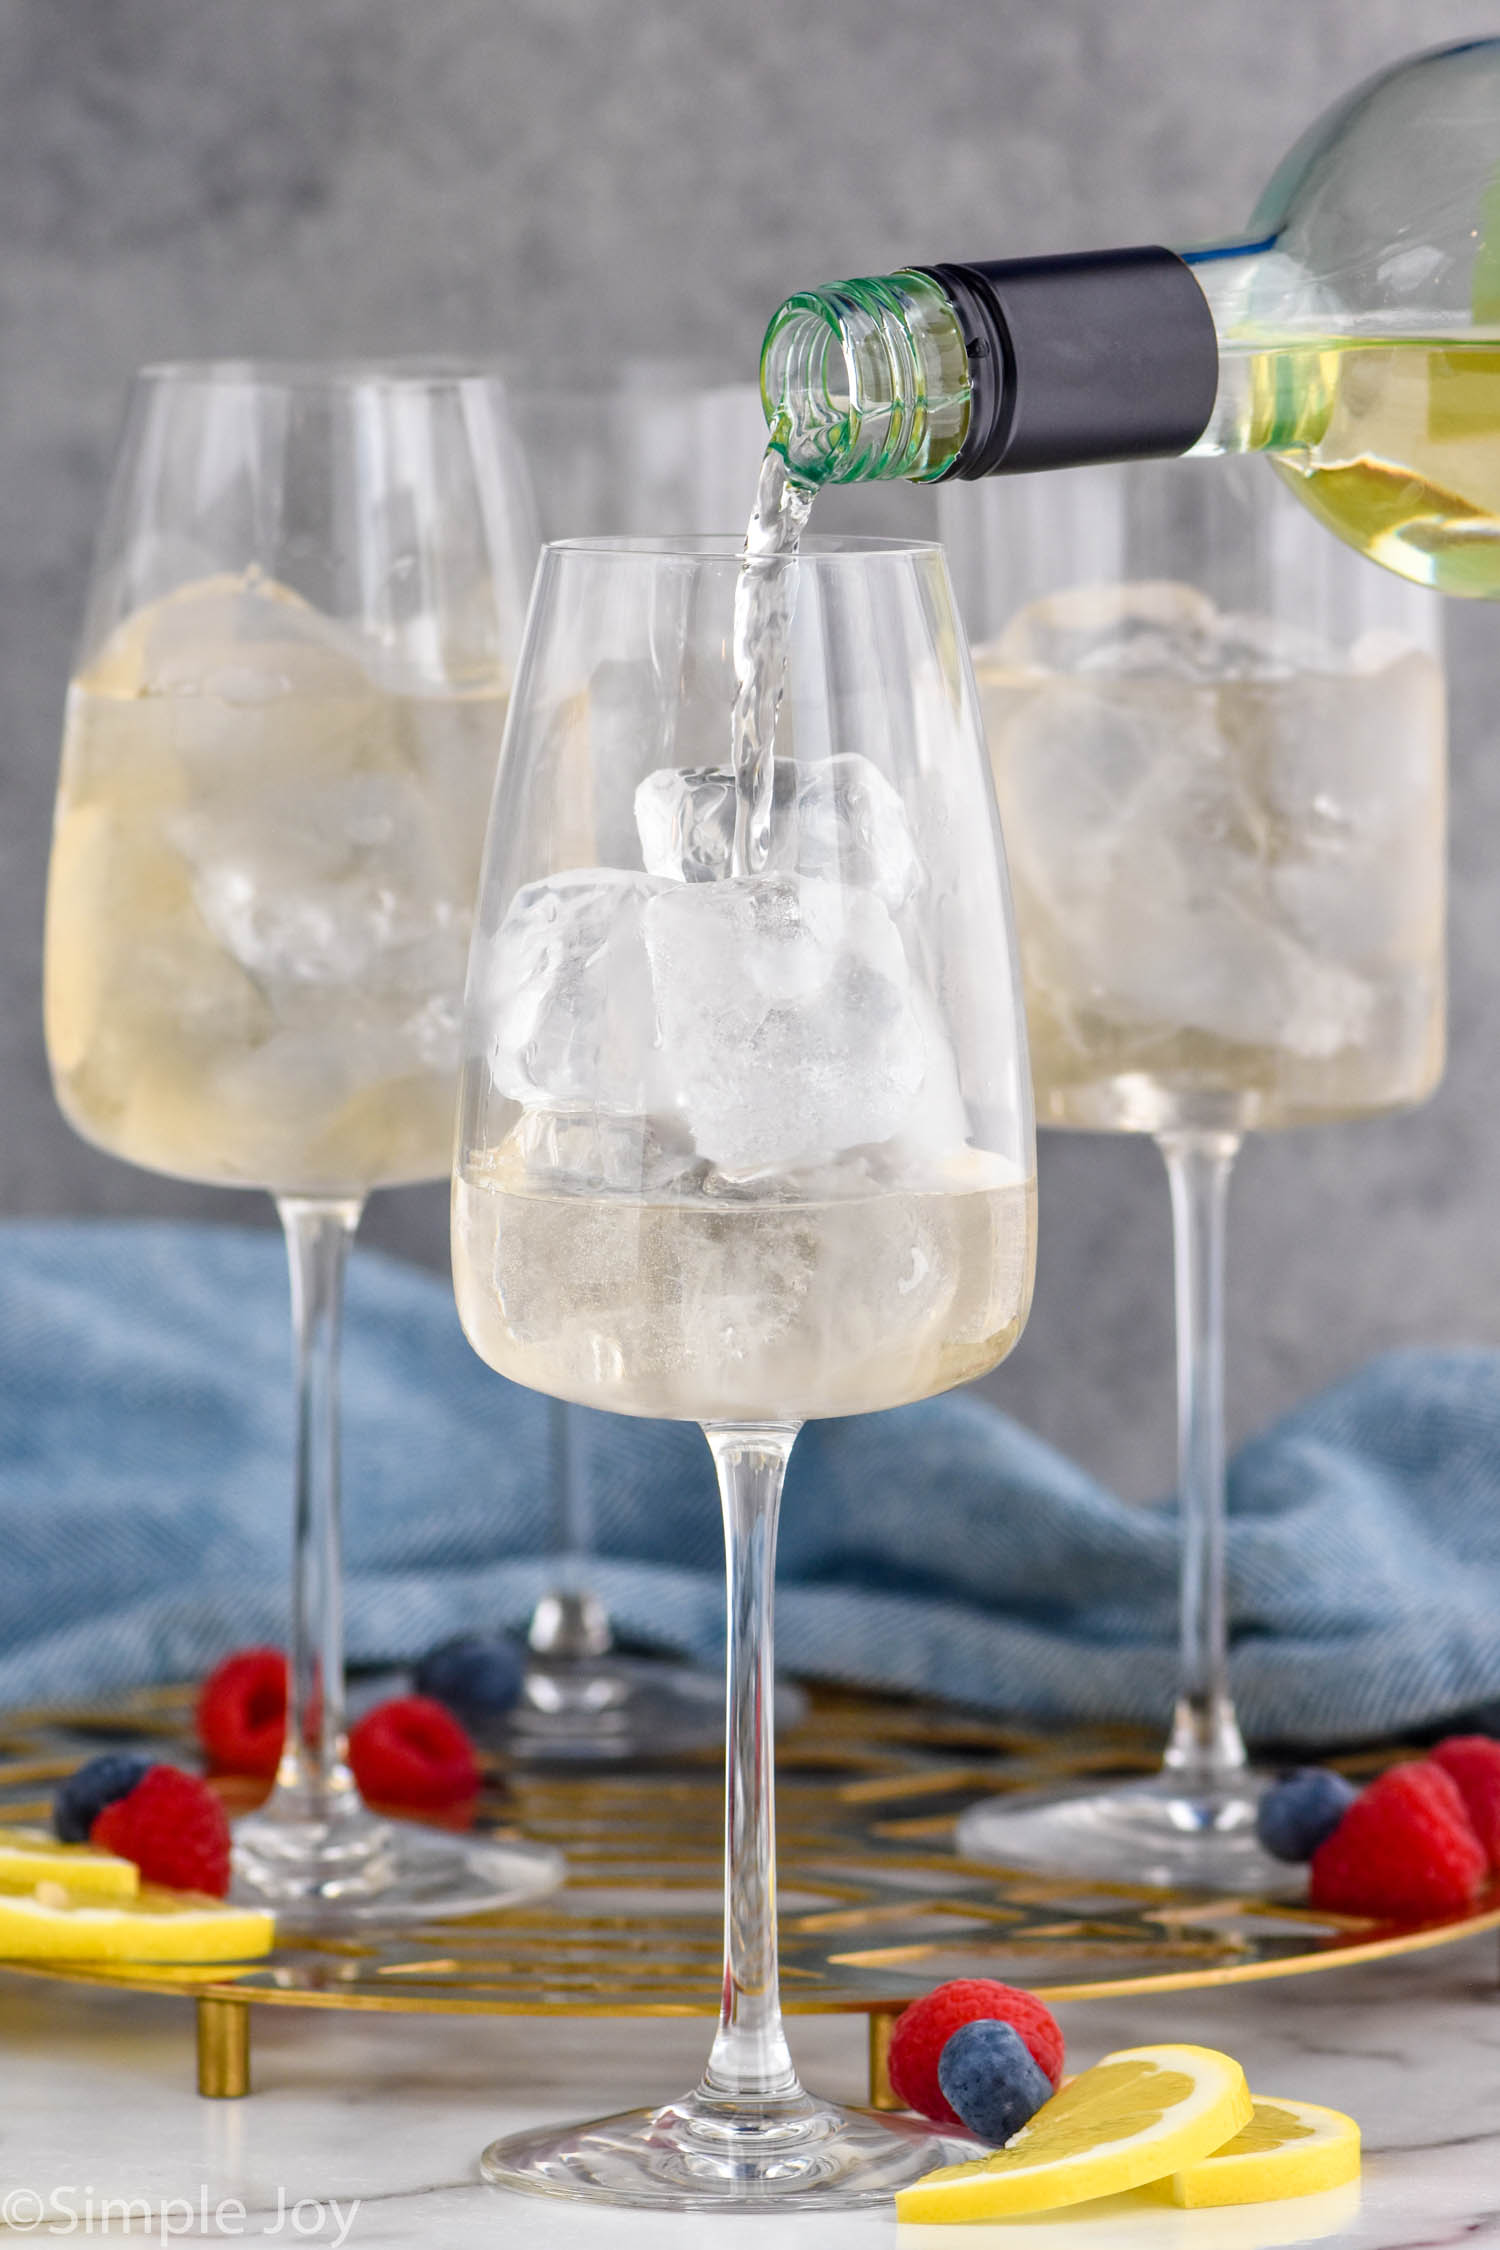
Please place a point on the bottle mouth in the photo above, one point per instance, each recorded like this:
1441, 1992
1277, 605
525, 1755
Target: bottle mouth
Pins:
856, 384
806, 387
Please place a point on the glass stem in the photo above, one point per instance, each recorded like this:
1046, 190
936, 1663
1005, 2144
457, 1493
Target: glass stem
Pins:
570, 1623
573, 1528
750, 2059
1206, 1749
313, 1781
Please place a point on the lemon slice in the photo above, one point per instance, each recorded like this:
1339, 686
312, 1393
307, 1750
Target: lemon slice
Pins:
1288, 2148
1141, 2113
158, 1925
33, 1855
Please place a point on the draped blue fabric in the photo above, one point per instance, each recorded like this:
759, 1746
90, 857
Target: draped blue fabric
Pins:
145, 1467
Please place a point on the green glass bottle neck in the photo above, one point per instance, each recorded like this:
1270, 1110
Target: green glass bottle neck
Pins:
867, 379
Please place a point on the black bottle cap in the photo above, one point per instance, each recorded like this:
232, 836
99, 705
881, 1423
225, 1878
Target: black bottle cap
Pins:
1107, 355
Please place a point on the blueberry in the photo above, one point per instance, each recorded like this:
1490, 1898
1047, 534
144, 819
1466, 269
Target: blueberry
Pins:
1302, 1810
80, 1799
476, 1673
990, 2077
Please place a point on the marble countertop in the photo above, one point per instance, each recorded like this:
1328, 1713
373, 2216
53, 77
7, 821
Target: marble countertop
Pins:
366, 2131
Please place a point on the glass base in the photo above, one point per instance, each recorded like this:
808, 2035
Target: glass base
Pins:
1165, 1831
611, 1709
709, 2154
350, 1867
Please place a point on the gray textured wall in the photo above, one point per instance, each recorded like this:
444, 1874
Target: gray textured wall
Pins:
567, 178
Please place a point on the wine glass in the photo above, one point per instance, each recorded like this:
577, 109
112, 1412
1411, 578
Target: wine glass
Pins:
281, 738
741, 1150
1219, 748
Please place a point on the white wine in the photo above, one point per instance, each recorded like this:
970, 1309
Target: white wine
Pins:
260, 895
1228, 877
1396, 447
712, 1309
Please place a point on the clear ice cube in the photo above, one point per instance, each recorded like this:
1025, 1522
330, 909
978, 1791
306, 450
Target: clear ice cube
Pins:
240, 640
592, 1152
316, 855
852, 828
566, 987
328, 882
1102, 627
1355, 792
1158, 627
1168, 812
684, 816
839, 819
789, 1026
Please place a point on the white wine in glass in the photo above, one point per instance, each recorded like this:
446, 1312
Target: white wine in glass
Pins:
745, 1138
1219, 745
281, 739
257, 912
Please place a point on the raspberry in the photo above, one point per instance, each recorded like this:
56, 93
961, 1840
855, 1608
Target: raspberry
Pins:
242, 1712
173, 1827
924, 2029
410, 1752
1404, 1849
78, 1801
991, 2079
476, 1674
1472, 1763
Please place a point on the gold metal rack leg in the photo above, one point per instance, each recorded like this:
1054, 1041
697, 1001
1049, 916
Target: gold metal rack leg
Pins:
882, 2024
223, 2049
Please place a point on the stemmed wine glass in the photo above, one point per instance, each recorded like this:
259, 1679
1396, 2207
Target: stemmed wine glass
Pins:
742, 1149
281, 739
1219, 749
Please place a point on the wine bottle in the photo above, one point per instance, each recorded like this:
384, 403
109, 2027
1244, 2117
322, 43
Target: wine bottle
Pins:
1352, 332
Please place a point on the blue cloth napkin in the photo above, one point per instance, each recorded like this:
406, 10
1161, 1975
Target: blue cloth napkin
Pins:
145, 1465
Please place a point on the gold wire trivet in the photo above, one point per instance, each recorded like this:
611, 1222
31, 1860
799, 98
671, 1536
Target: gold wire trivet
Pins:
874, 1906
